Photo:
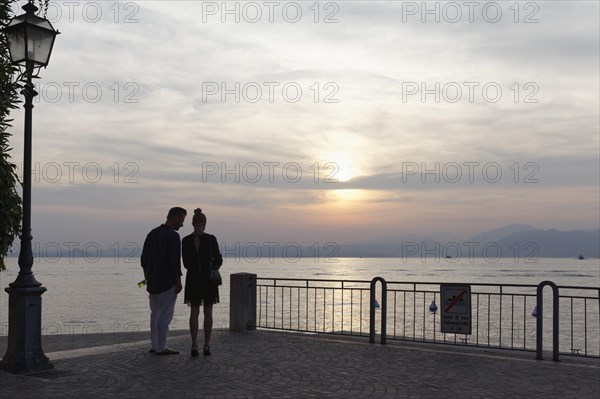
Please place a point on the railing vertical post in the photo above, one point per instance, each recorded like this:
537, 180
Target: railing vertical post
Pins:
383, 310
540, 320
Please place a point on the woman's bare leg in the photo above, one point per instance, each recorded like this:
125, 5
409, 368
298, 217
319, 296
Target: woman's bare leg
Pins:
194, 312
208, 323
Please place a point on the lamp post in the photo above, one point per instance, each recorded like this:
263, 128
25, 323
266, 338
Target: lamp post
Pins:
30, 39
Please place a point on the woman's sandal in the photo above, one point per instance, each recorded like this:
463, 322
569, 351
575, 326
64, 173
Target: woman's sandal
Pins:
195, 352
206, 350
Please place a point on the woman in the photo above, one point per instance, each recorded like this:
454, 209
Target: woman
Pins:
200, 252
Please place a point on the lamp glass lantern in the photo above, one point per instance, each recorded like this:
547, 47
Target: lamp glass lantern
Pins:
30, 38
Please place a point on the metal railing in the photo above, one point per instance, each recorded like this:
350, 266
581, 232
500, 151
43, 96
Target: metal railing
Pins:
317, 305
503, 315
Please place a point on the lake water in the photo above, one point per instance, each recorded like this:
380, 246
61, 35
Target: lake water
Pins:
87, 296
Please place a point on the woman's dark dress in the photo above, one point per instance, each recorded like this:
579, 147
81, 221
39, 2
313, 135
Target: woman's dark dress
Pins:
198, 288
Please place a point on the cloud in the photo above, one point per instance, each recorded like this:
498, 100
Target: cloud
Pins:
139, 99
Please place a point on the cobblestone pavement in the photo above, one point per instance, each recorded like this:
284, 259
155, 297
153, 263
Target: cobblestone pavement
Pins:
267, 364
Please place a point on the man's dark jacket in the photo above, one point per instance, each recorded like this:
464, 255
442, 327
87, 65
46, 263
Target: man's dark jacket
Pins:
161, 259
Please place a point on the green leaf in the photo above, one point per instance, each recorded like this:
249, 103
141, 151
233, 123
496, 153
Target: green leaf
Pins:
11, 205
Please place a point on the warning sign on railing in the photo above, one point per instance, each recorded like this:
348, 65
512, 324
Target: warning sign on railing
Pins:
456, 308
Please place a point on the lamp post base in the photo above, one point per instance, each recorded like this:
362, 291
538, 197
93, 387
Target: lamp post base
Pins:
24, 353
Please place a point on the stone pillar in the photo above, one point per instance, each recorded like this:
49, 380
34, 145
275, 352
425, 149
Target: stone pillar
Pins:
242, 306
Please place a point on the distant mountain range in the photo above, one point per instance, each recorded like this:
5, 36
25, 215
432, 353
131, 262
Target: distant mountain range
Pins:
517, 241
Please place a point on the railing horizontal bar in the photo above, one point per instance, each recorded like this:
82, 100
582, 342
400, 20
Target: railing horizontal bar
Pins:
465, 283
571, 287
315, 286
313, 279
577, 297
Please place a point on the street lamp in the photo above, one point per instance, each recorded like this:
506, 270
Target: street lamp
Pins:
30, 39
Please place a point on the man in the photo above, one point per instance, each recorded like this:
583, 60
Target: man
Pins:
161, 261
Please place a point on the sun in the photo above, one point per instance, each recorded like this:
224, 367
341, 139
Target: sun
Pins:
337, 167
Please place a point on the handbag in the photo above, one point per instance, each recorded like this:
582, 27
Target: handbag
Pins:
215, 276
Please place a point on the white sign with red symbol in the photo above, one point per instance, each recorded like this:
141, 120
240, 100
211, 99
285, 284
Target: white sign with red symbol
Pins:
456, 308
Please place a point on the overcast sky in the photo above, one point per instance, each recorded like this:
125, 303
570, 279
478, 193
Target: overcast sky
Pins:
318, 122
